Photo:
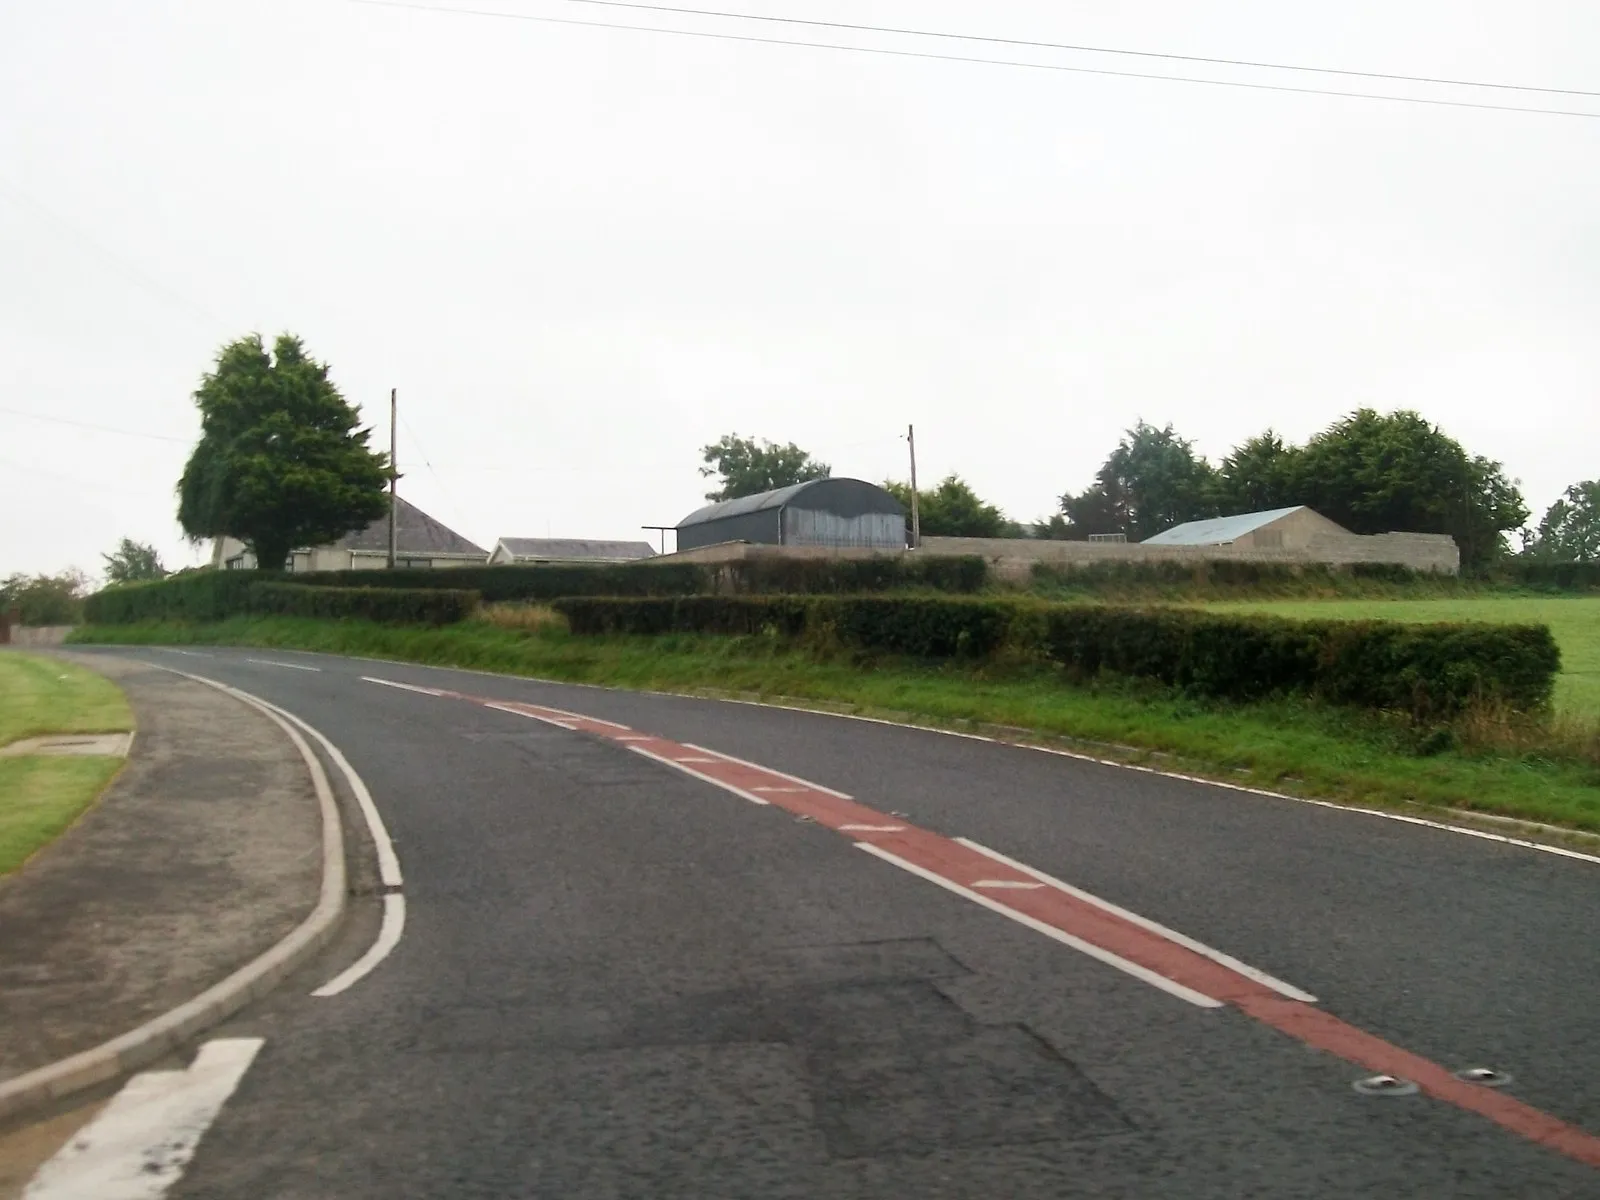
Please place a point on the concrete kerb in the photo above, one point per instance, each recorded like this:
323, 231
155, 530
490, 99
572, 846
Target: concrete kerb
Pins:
165, 1033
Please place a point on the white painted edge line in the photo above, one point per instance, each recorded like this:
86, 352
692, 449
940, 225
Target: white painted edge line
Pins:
190, 653
138, 1145
394, 924
388, 862
1172, 935
585, 717
805, 783
164, 1033
677, 765
1170, 986
405, 687
267, 662
517, 712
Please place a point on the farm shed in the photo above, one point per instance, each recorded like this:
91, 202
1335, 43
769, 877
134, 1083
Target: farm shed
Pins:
820, 512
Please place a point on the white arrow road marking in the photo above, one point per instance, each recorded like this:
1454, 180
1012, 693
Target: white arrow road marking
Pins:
140, 1143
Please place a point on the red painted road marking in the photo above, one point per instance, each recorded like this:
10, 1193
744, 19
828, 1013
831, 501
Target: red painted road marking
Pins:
1132, 943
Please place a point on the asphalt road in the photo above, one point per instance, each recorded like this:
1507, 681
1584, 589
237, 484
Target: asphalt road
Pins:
617, 980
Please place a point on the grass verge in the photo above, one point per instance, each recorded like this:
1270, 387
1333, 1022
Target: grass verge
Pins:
40, 795
1299, 748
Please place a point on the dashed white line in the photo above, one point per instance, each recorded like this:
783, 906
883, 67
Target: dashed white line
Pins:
677, 764
872, 829
1172, 935
405, 687
267, 662
140, 1143
1144, 974
1019, 884
519, 712
806, 783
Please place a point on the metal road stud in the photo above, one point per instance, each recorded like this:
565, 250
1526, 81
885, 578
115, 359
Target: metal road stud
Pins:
1484, 1076
1385, 1085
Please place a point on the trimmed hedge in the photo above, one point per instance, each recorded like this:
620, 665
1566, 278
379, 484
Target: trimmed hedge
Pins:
390, 606
188, 596
1429, 671
788, 576
208, 595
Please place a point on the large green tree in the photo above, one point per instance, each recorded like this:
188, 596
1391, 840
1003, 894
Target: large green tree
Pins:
952, 509
1570, 531
1380, 472
1151, 481
1262, 472
745, 467
283, 459
133, 562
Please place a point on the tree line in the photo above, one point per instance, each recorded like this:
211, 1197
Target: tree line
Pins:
1371, 472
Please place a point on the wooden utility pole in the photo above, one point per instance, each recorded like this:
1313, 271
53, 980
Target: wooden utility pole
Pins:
394, 475
916, 517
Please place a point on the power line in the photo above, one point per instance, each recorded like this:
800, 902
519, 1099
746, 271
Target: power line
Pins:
32, 416
974, 59
1005, 41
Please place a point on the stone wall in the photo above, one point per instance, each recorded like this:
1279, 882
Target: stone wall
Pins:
1014, 558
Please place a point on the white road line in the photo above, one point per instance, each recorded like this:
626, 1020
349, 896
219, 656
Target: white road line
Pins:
872, 829
806, 783
394, 924
677, 764
630, 737
405, 687
267, 662
517, 712
139, 1144
1172, 935
772, 789
388, 863
1144, 974
190, 653
584, 717
1019, 884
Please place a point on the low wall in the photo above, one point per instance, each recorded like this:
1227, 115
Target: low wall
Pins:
1014, 558
39, 635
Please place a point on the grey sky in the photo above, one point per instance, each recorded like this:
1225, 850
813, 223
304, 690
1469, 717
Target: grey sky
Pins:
580, 254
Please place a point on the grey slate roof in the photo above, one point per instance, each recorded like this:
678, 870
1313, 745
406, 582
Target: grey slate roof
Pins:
1218, 531
575, 548
416, 533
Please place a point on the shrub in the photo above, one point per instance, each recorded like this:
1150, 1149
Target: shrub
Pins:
1428, 671
394, 606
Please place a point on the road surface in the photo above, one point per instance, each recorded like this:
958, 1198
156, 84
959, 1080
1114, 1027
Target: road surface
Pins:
625, 978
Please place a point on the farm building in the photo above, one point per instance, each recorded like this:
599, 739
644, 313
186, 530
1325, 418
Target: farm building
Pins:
1274, 529
566, 550
820, 512
420, 541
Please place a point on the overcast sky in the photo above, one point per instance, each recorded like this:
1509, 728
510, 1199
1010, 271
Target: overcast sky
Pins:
581, 253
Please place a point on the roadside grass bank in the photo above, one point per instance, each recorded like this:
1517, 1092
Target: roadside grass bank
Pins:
1573, 620
41, 795
1302, 748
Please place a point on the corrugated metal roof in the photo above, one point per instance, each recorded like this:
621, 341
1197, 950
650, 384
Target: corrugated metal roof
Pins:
1218, 531
575, 548
415, 533
740, 505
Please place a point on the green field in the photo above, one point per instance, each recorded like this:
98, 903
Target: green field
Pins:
41, 796
1574, 620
